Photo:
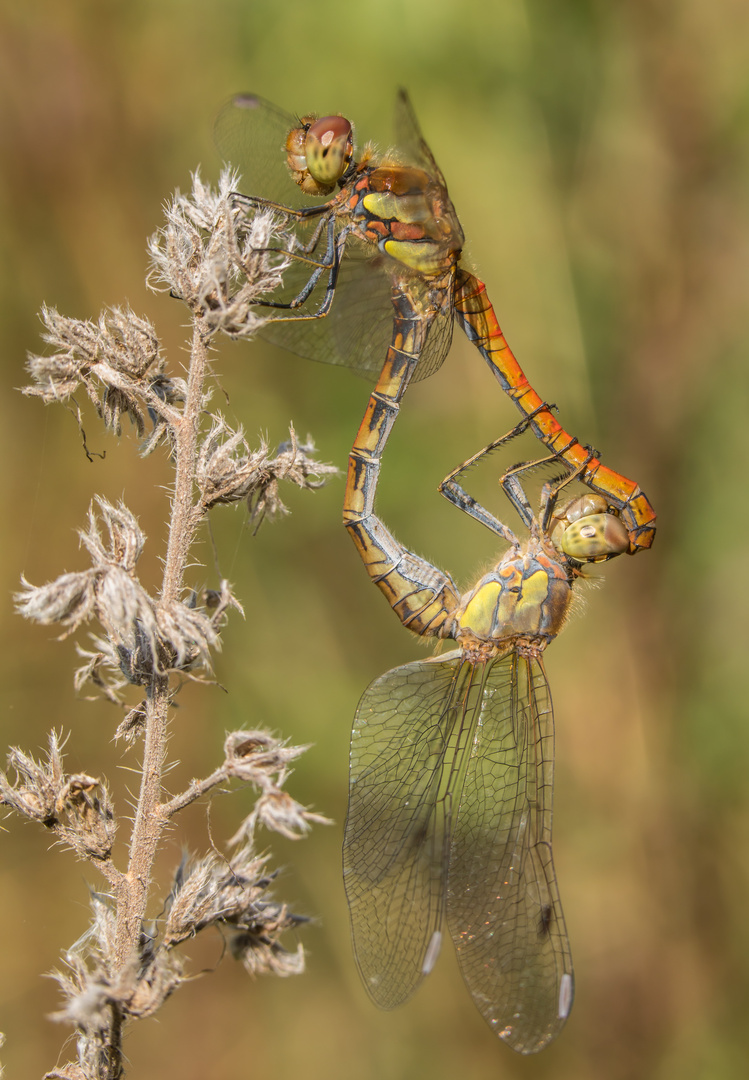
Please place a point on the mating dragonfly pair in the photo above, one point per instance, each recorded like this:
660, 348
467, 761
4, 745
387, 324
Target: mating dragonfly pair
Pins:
451, 758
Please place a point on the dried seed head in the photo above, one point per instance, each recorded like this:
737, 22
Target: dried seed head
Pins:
212, 890
126, 539
102, 669
255, 757
228, 471
292, 463
118, 363
234, 895
260, 955
143, 636
38, 783
86, 818
77, 808
280, 813
69, 600
214, 258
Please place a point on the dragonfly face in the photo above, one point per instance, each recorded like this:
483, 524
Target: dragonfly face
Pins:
595, 538
319, 153
584, 530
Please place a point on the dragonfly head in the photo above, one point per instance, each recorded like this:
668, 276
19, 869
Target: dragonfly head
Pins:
319, 152
585, 530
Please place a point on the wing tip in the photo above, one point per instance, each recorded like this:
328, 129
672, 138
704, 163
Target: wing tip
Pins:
246, 101
566, 996
432, 952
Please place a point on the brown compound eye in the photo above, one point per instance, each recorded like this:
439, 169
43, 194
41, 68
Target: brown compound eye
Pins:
329, 148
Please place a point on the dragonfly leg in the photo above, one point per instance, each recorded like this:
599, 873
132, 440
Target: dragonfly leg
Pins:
302, 253
299, 250
458, 496
423, 597
331, 262
302, 213
552, 489
475, 314
328, 224
513, 488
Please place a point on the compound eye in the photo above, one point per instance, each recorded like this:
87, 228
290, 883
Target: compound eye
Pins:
594, 538
582, 506
329, 148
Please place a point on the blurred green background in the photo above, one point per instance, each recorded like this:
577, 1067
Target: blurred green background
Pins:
597, 154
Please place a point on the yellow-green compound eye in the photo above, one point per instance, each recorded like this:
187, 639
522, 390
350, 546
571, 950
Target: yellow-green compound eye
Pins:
329, 148
572, 510
595, 537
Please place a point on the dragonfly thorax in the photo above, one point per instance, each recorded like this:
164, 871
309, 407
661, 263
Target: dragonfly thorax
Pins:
527, 595
409, 217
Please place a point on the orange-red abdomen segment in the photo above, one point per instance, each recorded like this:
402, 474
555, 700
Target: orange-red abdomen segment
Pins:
475, 313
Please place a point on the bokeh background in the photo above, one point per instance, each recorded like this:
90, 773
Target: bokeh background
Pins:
597, 154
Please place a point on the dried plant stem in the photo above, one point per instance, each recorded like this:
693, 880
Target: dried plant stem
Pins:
147, 826
150, 819
185, 516
123, 968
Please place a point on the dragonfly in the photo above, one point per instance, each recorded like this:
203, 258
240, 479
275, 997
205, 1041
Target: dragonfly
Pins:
385, 240
451, 773
452, 760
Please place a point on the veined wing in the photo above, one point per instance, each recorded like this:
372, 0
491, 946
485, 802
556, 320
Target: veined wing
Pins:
503, 906
410, 143
403, 746
250, 134
358, 329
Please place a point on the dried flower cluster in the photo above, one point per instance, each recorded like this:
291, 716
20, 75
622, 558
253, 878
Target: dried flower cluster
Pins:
76, 808
214, 257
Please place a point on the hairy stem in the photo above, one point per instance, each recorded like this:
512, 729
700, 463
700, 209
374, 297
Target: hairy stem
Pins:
147, 826
150, 819
185, 517
196, 789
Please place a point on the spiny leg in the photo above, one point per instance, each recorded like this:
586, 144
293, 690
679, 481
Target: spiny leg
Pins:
513, 488
302, 213
455, 493
322, 310
582, 529
331, 260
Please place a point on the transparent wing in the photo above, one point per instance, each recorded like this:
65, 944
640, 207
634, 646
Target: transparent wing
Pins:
410, 143
437, 344
395, 845
503, 906
250, 134
358, 329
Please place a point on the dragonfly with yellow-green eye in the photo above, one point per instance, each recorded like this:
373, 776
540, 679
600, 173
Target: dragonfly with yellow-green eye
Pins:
386, 227
452, 759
